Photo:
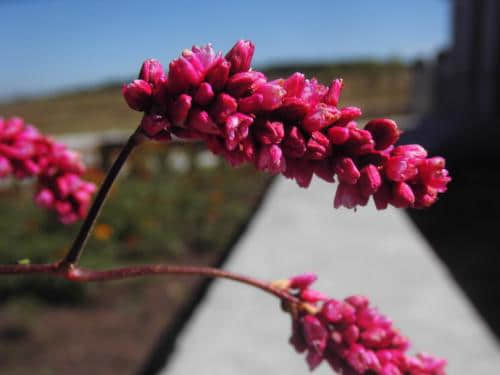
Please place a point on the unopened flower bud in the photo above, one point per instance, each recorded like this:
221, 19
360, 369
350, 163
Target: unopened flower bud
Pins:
137, 94
385, 132
333, 95
240, 56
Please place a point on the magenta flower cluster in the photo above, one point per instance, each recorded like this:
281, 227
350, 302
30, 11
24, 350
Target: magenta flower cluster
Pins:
291, 126
352, 336
25, 152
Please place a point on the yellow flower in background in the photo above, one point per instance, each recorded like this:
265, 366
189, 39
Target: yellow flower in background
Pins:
103, 232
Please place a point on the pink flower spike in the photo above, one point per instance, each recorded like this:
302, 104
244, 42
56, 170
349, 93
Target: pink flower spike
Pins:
240, 56
137, 94
302, 281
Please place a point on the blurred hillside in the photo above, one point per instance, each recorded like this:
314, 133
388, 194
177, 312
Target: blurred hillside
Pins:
379, 88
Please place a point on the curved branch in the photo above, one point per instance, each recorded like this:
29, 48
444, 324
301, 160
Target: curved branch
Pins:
78, 274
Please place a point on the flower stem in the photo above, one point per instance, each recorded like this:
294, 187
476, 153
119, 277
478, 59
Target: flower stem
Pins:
76, 249
77, 274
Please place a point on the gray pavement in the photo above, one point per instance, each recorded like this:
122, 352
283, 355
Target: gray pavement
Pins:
240, 330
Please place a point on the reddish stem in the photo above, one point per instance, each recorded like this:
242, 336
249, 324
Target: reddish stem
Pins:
77, 274
76, 249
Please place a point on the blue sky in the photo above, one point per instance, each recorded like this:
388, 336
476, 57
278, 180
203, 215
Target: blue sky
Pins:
49, 45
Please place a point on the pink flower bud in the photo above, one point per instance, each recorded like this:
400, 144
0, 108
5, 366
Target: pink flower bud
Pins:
293, 109
400, 168
201, 121
152, 125
224, 106
433, 174
325, 169
240, 56
302, 281
294, 85
313, 359
322, 116
348, 195
270, 132
347, 171
315, 334
385, 132
294, 144
217, 75
5, 167
318, 146
402, 195
152, 72
333, 95
301, 170
251, 104
338, 135
348, 114
272, 95
44, 198
271, 159
410, 151
312, 296
179, 109
181, 75
137, 94
236, 129
244, 83
369, 180
350, 334
204, 94
357, 301
331, 311
382, 197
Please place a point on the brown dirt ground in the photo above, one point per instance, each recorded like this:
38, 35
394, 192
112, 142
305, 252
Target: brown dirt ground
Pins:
111, 334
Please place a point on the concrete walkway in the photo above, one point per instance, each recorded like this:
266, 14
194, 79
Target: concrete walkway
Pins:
239, 330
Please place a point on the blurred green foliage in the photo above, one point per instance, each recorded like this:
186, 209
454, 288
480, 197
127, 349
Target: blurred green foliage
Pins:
158, 210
